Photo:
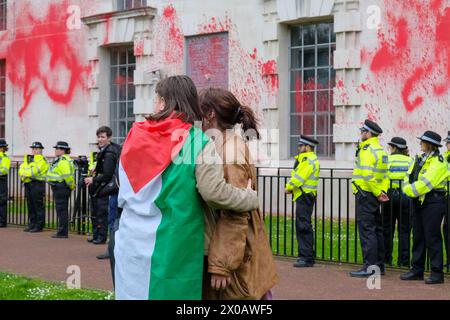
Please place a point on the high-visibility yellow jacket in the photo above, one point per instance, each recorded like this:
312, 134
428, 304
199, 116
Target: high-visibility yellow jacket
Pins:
34, 170
92, 163
5, 164
447, 157
371, 165
62, 169
398, 167
305, 177
432, 176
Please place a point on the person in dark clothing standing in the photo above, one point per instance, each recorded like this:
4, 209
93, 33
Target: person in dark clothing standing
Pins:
397, 210
112, 208
5, 164
103, 173
447, 214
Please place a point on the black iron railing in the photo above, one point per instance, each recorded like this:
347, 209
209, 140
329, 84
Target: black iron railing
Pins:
79, 205
334, 220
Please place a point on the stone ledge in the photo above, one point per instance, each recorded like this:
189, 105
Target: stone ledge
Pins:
124, 14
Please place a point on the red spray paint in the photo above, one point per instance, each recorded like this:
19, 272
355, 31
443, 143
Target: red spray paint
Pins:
415, 60
42, 55
269, 71
139, 48
174, 48
108, 17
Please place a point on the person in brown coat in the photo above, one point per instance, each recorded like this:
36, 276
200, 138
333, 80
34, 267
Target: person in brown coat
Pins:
239, 264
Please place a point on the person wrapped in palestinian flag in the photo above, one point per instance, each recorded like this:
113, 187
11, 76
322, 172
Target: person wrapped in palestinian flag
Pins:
169, 173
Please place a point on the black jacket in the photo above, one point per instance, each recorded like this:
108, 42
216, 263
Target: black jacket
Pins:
106, 165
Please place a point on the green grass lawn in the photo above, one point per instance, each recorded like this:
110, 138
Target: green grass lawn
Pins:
284, 241
20, 207
13, 287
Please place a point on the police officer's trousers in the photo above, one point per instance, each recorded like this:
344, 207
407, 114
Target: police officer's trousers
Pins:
100, 218
61, 193
304, 230
427, 236
3, 200
397, 211
446, 230
370, 229
34, 192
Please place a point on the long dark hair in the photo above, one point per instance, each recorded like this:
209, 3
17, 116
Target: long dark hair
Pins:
404, 151
180, 96
228, 110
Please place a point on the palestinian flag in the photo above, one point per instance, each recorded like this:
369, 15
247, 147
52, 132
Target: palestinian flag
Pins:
159, 244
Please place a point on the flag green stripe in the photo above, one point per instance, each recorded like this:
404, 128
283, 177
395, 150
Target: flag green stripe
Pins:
177, 260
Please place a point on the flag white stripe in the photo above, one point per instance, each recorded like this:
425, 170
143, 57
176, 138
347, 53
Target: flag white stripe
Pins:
135, 239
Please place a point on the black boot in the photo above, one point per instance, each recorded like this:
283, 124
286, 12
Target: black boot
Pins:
411, 275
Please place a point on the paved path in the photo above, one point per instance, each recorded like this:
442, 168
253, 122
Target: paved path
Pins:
38, 255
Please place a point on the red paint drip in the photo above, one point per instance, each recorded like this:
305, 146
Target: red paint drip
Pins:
40, 53
107, 27
139, 48
298, 95
269, 70
443, 50
174, 50
408, 88
387, 54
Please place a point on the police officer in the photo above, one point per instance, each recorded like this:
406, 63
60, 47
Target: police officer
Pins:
446, 216
61, 176
427, 185
32, 173
303, 186
397, 209
5, 164
370, 185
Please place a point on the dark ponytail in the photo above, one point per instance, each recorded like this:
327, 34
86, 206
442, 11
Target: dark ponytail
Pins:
229, 111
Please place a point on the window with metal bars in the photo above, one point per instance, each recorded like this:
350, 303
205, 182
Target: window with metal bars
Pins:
122, 92
3, 14
312, 79
130, 4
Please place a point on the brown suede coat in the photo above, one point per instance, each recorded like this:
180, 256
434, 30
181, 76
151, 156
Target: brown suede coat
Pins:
239, 246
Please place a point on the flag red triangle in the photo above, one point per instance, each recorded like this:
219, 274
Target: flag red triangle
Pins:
150, 148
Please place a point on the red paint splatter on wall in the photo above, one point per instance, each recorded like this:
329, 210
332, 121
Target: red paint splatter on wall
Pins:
108, 17
254, 54
208, 60
414, 52
391, 50
215, 25
139, 48
42, 55
269, 71
174, 48
298, 94
167, 43
253, 80
407, 87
